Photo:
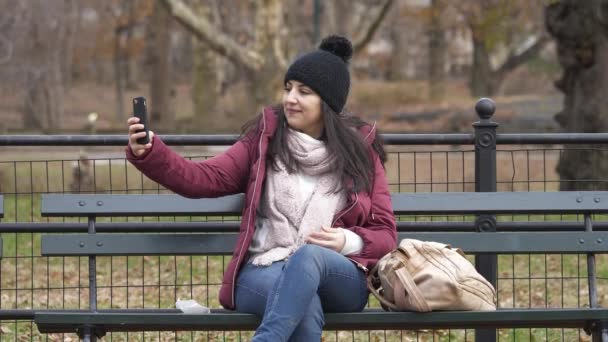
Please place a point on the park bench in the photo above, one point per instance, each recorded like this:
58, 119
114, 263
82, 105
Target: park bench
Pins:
478, 208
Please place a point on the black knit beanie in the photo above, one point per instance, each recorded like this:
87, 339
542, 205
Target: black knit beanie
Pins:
325, 71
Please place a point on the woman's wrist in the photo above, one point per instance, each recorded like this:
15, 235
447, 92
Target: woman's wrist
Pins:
353, 243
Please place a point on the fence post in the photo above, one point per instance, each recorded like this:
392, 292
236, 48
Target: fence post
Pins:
485, 181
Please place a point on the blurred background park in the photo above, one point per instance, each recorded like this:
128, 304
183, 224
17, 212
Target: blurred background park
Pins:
207, 66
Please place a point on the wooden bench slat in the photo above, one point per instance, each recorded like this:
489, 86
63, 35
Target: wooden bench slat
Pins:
437, 203
138, 205
368, 319
222, 244
519, 242
138, 244
500, 202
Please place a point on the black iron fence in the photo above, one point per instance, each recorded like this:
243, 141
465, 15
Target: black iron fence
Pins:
480, 161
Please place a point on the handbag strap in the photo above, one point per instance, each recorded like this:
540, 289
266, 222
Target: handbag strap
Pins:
407, 285
388, 305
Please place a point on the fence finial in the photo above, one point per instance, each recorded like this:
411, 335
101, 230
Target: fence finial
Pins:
485, 108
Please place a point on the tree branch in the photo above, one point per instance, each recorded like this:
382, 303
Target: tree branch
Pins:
214, 38
275, 14
360, 43
8, 46
516, 60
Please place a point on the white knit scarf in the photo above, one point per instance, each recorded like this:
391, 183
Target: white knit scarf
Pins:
286, 216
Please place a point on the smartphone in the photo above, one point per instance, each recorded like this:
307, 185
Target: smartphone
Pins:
139, 111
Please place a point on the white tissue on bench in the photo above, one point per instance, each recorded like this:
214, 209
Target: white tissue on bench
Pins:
190, 306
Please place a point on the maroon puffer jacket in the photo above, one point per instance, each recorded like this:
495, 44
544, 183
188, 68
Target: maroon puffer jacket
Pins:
242, 169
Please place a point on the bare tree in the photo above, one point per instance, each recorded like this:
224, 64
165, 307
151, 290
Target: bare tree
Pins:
514, 26
48, 31
158, 50
121, 41
205, 75
260, 58
72, 22
437, 51
579, 28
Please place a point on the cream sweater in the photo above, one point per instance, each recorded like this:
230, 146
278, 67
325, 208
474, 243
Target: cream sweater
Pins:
304, 185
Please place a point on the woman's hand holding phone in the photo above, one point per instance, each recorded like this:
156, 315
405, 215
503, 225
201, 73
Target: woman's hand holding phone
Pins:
134, 127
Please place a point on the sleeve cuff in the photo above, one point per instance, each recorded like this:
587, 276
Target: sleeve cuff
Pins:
353, 243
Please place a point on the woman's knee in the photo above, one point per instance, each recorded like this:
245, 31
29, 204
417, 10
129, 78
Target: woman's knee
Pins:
311, 252
310, 259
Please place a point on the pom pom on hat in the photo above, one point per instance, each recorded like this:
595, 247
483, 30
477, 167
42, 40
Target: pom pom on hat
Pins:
339, 46
325, 71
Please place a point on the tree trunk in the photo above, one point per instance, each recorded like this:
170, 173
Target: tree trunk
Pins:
161, 113
44, 97
119, 74
131, 64
265, 83
481, 73
437, 53
43, 108
205, 89
579, 30
71, 23
337, 10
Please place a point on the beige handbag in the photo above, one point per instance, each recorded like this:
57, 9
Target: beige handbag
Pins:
427, 276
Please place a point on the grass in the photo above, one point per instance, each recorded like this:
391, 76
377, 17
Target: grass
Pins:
28, 280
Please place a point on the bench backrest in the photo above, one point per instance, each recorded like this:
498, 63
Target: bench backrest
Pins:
434, 203
586, 203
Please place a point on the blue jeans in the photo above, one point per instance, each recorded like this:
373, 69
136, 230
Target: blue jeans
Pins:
292, 295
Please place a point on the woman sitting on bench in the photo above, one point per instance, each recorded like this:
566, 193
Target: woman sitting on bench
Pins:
317, 212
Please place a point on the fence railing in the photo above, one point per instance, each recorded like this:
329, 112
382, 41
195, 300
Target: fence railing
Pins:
417, 162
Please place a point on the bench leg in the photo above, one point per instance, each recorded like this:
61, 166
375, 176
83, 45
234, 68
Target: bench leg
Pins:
599, 332
601, 336
87, 335
90, 333
488, 335
89, 338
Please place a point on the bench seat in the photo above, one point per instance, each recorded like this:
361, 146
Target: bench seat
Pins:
484, 242
370, 319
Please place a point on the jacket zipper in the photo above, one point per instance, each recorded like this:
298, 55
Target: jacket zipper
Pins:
345, 211
255, 185
358, 264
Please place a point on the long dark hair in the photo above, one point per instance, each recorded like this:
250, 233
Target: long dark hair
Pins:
353, 161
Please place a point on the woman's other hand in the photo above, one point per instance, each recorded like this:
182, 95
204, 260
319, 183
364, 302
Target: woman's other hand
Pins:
134, 126
331, 238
